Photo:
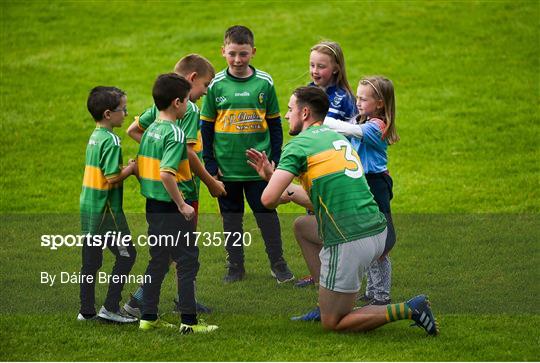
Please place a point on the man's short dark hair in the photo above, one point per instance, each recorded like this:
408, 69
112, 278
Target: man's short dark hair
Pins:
167, 88
239, 34
102, 98
315, 99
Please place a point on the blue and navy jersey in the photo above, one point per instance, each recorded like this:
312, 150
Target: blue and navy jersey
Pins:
372, 148
342, 103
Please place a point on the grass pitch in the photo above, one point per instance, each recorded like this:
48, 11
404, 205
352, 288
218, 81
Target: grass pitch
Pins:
466, 172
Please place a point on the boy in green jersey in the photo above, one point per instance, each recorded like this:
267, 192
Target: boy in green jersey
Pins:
199, 72
101, 206
165, 176
240, 111
352, 230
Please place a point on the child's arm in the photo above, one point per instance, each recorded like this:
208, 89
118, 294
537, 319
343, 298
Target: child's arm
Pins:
344, 128
134, 131
276, 138
124, 173
141, 123
208, 116
373, 131
110, 161
208, 133
274, 124
215, 187
169, 182
173, 149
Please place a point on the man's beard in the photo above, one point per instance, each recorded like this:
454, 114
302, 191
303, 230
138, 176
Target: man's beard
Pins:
294, 132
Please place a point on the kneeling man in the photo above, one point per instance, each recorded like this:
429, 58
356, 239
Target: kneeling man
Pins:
350, 226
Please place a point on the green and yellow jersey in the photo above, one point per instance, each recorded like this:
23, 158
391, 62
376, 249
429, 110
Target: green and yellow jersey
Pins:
98, 197
239, 109
163, 148
191, 127
331, 173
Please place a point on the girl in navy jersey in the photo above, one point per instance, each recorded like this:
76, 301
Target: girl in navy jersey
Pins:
370, 136
327, 71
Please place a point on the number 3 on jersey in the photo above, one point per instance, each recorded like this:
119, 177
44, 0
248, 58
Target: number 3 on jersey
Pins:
352, 173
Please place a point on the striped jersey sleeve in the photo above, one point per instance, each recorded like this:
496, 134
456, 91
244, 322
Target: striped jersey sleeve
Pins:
173, 146
111, 154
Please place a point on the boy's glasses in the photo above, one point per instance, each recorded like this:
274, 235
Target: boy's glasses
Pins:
124, 110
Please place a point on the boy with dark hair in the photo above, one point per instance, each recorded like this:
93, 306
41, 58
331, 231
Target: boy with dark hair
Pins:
101, 206
165, 176
198, 71
241, 111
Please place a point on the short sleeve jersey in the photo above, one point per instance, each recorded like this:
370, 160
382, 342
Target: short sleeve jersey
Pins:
163, 148
103, 161
331, 173
372, 148
239, 109
190, 125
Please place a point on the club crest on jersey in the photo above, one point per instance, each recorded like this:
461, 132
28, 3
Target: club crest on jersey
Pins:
337, 100
221, 99
261, 98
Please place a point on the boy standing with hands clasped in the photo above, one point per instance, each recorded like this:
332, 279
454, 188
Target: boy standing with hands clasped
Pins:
101, 205
164, 174
241, 111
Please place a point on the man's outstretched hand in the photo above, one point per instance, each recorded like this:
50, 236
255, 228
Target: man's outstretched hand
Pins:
259, 161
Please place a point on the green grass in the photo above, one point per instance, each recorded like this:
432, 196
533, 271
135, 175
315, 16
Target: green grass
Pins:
466, 172
273, 340
480, 272
466, 78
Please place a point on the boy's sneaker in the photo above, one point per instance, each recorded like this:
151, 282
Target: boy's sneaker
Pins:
305, 281
312, 315
280, 271
200, 308
422, 314
118, 317
200, 327
235, 272
155, 324
81, 317
133, 308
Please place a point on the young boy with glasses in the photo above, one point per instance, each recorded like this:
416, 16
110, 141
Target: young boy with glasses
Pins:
101, 206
